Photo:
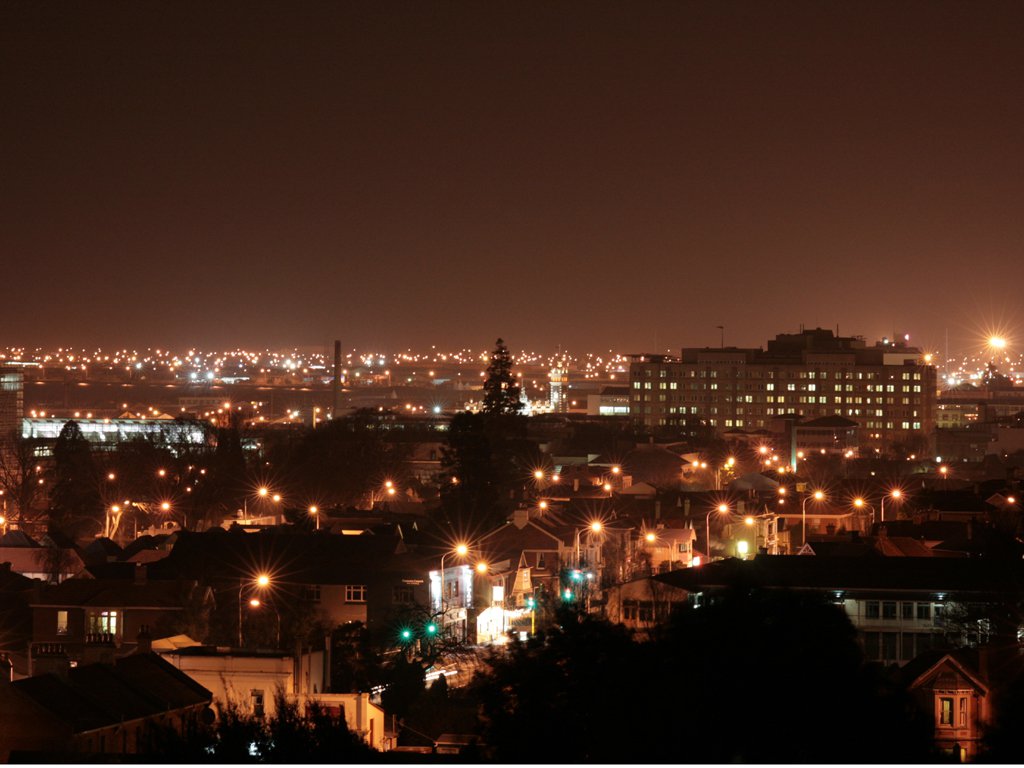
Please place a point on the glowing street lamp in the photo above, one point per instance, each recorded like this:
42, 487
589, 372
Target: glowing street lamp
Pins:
751, 522
818, 496
314, 510
859, 503
460, 550
722, 509
262, 581
895, 494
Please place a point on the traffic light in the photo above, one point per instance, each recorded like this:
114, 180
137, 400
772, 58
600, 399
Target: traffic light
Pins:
406, 634
567, 595
576, 576
431, 629
531, 603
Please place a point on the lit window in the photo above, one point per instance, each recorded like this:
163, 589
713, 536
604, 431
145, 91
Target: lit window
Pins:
62, 622
103, 622
946, 711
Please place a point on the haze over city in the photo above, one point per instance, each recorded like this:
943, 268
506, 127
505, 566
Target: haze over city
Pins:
591, 175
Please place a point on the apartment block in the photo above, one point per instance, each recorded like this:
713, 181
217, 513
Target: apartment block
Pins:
887, 389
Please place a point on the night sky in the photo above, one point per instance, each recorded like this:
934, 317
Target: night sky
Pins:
595, 175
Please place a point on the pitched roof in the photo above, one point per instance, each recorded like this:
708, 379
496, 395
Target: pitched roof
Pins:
97, 695
930, 663
299, 557
116, 593
936, 574
37, 560
17, 538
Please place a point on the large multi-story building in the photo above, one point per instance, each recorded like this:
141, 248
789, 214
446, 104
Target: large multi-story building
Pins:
12, 405
886, 389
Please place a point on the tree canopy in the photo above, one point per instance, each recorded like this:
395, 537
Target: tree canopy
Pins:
501, 389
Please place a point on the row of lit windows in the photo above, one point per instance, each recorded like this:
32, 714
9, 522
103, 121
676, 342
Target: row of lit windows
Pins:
755, 373
811, 399
713, 386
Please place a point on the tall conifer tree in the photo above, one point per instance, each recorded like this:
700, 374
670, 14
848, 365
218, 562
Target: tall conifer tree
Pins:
501, 390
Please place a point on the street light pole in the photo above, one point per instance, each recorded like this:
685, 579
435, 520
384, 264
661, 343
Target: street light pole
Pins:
261, 581
595, 527
896, 494
721, 508
859, 503
818, 496
461, 550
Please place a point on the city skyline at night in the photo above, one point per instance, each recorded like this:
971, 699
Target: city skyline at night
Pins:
511, 382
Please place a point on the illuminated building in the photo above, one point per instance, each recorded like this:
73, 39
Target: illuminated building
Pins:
111, 432
610, 401
12, 401
558, 381
886, 389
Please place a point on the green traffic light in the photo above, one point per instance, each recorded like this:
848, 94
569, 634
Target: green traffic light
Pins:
568, 594
406, 634
431, 628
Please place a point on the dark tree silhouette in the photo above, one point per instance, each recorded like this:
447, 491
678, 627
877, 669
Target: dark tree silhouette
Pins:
76, 507
484, 472
501, 390
19, 479
287, 736
1001, 742
765, 678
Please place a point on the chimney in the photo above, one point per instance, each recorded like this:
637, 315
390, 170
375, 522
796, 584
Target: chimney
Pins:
144, 640
657, 509
520, 517
575, 483
49, 659
337, 378
99, 648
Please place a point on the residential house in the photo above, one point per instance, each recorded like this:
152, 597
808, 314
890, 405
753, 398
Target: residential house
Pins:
644, 603
949, 686
70, 613
368, 578
53, 562
901, 606
251, 681
96, 709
